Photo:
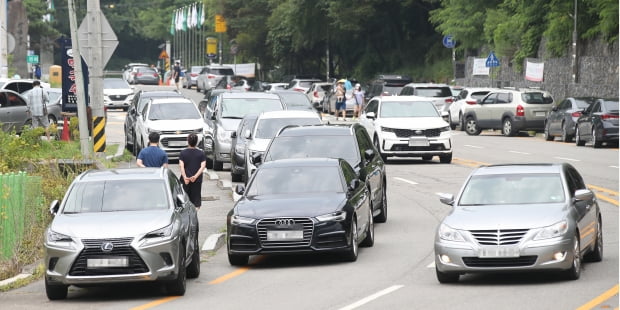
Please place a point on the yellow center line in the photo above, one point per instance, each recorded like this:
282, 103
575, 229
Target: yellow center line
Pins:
155, 303
601, 298
229, 276
604, 190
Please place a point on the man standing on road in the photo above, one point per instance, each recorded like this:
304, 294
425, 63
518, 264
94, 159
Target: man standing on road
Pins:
153, 156
176, 74
37, 107
192, 162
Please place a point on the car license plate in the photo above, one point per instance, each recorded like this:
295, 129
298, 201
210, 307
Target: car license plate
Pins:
541, 113
498, 251
115, 261
177, 143
418, 141
279, 235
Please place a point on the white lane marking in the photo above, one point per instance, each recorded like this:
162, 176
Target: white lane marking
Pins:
431, 265
372, 297
614, 167
406, 181
474, 146
569, 159
517, 152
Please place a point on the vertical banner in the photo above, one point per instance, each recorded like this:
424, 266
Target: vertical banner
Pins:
69, 89
534, 71
479, 67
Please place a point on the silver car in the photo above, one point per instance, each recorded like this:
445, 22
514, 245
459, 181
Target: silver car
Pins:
123, 225
519, 217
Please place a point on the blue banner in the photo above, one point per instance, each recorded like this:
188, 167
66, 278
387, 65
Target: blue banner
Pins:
69, 89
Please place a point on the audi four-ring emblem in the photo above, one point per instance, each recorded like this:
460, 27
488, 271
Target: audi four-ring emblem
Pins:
285, 222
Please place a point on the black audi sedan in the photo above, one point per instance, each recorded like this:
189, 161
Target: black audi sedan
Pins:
300, 206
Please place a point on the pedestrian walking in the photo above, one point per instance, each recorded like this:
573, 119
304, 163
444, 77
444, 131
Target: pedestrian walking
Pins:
37, 107
176, 74
37, 72
358, 94
153, 156
192, 162
341, 100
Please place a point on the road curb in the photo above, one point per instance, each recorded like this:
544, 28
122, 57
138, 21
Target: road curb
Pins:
213, 242
211, 175
224, 184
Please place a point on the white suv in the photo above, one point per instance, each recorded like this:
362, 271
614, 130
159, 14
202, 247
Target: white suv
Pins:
469, 95
407, 126
440, 94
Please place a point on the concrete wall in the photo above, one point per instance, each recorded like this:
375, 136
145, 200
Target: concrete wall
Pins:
597, 73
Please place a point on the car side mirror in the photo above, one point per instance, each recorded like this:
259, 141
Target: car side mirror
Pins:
371, 115
239, 189
355, 183
54, 207
247, 134
213, 116
555, 108
180, 201
369, 154
233, 134
447, 199
583, 195
257, 159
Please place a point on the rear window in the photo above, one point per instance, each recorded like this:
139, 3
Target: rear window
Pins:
432, 92
306, 83
391, 90
326, 87
611, 106
222, 71
397, 82
536, 98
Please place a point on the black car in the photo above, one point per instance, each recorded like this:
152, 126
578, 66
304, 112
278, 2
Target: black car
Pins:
300, 206
238, 145
562, 118
598, 123
135, 107
350, 142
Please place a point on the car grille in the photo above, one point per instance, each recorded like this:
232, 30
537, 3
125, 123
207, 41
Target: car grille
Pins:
406, 148
180, 132
500, 262
300, 223
406, 133
498, 237
92, 249
118, 97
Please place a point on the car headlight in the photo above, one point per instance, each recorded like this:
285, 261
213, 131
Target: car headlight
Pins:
556, 230
240, 220
442, 129
149, 130
332, 217
159, 235
223, 136
239, 148
449, 234
58, 240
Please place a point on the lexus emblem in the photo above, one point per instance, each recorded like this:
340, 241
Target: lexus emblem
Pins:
285, 222
107, 246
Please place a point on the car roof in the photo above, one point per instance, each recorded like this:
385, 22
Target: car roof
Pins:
427, 85
288, 114
318, 130
170, 100
245, 94
302, 162
160, 93
404, 98
519, 168
123, 174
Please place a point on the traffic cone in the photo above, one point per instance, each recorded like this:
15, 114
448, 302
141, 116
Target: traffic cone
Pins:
65, 130
159, 82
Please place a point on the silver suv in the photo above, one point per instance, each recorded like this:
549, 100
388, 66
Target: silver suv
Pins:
509, 110
440, 94
210, 76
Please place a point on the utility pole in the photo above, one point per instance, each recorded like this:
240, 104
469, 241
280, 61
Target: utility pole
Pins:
574, 49
95, 69
4, 38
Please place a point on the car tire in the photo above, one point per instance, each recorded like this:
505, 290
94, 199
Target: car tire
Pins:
548, 136
574, 272
382, 217
460, 123
565, 136
236, 177
452, 125
218, 165
578, 140
54, 291
352, 253
445, 159
596, 143
597, 252
369, 240
471, 126
427, 157
508, 127
446, 277
378, 147
193, 270
177, 286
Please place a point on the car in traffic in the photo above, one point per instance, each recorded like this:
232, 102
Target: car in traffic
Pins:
509, 110
13, 111
468, 95
174, 119
54, 106
238, 145
562, 119
19, 85
598, 124
297, 101
191, 76
386, 85
129, 68
317, 92
350, 142
440, 94
301, 85
407, 126
265, 128
519, 218
308, 205
275, 86
210, 76
122, 225
329, 101
117, 94
145, 76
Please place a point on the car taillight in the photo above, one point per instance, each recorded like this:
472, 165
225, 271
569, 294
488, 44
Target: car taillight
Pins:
449, 100
194, 74
520, 110
138, 74
576, 114
210, 76
316, 94
155, 75
609, 116
298, 89
471, 101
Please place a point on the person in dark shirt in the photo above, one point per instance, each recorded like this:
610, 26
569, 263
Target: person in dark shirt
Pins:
153, 156
192, 162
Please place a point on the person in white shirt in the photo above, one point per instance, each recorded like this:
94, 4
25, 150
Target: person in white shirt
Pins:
37, 107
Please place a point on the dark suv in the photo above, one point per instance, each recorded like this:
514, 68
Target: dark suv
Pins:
387, 85
351, 143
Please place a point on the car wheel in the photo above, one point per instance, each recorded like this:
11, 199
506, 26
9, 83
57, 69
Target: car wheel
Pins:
427, 157
507, 129
55, 292
370, 231
177, 286
382, 217
574, 271
452, 125
136, 146
597, 253
548, 136
445, 159
193, 270
471, 126
460, 123
378, 147
352, 252
596, 143
565, 136
446, 277
236, 177
578, 140
218, 165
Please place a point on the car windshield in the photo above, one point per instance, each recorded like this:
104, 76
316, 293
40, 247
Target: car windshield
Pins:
432, 92
173, 111
296, 180
117, 195
239, 107
314, 146
503, 189
115, 84
408, 109
268, 127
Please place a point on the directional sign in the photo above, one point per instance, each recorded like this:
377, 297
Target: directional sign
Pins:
448, 41
163, 54
491, 61
220, 23
32, 59
108, 38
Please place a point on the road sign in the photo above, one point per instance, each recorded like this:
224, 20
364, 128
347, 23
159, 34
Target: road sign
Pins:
108, 38
211, 47
220, 23
163, 54
448, 41
32, 59
491, 61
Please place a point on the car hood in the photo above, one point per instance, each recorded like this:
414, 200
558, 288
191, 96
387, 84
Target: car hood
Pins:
411, 122
297, 205
258, 144
117, 91
230, 124
492, 217
98, 225
176, 124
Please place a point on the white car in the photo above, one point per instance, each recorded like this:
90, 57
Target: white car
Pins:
317, 91
117, 94
469, 95
440, 94
407, 126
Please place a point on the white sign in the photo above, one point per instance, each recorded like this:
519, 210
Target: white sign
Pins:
108, 44
534, 71
247, 69
479, 67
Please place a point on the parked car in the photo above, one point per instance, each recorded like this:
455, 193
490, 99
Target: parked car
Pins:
54, 106
128, 69
519, 218
598, 123
408, 126
456, 90
440, 94
301, 85
294, 100
265, 128
122, 225
386, 85
351, 143
19, 85
241, 83
191, 76
275, 86
285, 210
145, 75
509, 110
562, 119
174, 119
222, 116
138, 102
238, 145
13, 111
211, 75
468, 95
117, 94
317, 92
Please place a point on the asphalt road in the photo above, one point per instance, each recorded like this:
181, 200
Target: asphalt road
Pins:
397, 272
